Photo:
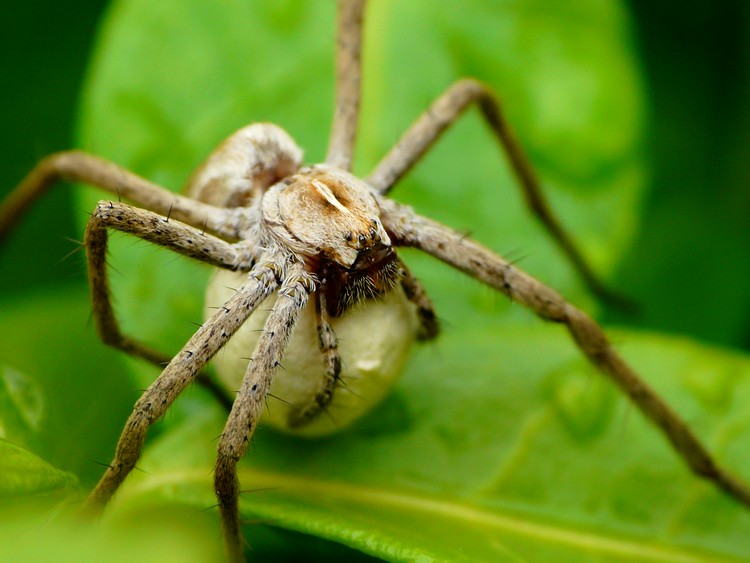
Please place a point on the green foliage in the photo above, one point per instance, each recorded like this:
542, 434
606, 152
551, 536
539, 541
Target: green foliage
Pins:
500, 442
24, 474
694, 242
494, 464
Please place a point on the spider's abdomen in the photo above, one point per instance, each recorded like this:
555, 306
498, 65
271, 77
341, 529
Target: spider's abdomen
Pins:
374, 340
242, 167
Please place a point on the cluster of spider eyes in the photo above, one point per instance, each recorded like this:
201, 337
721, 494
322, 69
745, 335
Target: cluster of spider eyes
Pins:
362, 239
349, 237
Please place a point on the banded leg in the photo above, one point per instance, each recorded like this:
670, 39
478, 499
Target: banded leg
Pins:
178, 374
443, 113
249, 404
154, 228
328, 345
470, 257
429, 326
77, 166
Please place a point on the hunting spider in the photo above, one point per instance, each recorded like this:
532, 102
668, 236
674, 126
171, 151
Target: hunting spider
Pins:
320, 243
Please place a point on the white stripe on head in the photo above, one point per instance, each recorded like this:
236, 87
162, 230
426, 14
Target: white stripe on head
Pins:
326, 192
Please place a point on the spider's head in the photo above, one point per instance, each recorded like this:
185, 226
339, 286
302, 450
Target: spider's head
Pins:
323, 212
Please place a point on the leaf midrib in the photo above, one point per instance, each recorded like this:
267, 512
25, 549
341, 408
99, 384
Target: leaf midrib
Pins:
451, 509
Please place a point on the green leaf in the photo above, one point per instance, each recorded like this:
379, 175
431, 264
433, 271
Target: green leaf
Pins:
72, 392
500, 442
21, 405
495, 465
161, 535
24, 474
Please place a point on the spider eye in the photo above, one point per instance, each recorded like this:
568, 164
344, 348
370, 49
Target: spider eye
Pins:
348, 236
362, 239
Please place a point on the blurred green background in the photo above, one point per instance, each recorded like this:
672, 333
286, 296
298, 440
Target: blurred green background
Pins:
45, 49
690, 264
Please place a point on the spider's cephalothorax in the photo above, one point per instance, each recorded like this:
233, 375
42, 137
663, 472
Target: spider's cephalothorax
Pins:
326, 216
352, 339
331, 218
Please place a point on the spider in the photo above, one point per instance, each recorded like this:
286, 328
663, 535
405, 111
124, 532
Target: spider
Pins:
324, 242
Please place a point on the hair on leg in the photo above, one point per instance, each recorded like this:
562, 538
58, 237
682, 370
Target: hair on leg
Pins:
249, 404
348, 78
429, 326
78, 166
328, 345
180, 372
443, 113
174, 235
477, 261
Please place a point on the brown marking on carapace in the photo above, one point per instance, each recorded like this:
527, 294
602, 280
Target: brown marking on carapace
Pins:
329, 212
337, 188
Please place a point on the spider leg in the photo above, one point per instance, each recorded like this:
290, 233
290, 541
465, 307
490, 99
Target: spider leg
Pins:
154, 228
249, 404
328, 344
429, 326
443, 113
470, 257
179, 373
348, 80
77, 166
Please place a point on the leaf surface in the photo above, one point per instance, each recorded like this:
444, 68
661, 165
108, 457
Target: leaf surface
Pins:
24, 474
517, 464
